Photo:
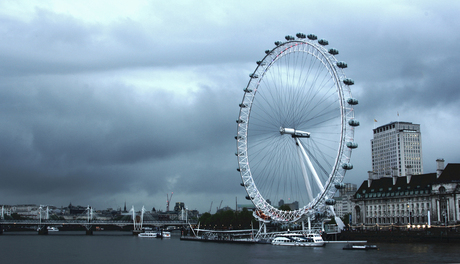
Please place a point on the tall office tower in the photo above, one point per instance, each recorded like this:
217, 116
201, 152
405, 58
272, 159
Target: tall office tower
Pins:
397, 150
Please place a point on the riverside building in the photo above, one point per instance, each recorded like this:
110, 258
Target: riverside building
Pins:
411, 200
397, 150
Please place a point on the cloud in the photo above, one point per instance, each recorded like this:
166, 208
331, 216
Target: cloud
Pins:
107, 103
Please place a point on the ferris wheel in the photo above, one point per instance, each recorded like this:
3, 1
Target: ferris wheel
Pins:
296, 130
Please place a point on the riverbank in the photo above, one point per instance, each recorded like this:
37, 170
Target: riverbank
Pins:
427, 235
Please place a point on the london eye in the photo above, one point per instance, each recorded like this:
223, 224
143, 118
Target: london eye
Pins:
295, 130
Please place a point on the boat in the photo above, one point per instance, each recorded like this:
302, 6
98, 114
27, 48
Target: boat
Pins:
52, 229
298, 240
165, 234
359, 247
149, 234
155, 234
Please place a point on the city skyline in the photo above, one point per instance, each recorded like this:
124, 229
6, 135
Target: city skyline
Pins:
106, 102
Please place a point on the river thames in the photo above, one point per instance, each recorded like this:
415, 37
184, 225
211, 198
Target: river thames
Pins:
122, 247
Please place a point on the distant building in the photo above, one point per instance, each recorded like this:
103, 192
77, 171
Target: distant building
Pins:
396, 150
343, 203
292, 206
179, 206
26, 210
424, 199
249, 207
76, 210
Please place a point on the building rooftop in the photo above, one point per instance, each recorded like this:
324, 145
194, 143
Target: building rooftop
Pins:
418, 184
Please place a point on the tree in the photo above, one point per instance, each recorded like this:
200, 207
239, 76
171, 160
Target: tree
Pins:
346, 218
285, 207
228, 219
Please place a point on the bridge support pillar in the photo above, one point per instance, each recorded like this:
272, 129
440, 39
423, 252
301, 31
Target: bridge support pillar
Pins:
89, 232
43, 230
136, 232
1, 229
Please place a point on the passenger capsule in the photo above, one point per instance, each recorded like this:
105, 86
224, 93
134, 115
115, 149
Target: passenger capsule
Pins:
312, 37
333, 51
277, 43
342, 64
238, 137
352, 145
348, 81
352, 101
253, 75
300, 35
239, 121
243, 105
288, 38
347, 166
323, 42
247, 90
330, 202
267, 52
353, 123
247, 197
339, 185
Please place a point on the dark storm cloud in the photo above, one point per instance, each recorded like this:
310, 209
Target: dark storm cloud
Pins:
93, 139
104, 111
53, 43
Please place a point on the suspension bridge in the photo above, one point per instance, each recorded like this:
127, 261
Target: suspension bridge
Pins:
89, 222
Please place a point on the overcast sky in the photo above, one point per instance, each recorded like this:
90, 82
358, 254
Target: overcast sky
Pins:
107, 102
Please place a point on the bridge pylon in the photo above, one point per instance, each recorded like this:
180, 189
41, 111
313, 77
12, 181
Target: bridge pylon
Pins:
42, 214
138, 220
89, 218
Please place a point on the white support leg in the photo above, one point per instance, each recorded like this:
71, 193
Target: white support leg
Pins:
305, 175
310, 166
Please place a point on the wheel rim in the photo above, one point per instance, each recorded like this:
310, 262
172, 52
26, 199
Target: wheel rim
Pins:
297, 88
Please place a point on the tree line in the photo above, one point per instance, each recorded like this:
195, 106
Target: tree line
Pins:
227, 220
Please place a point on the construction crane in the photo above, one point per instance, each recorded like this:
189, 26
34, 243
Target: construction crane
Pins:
220, 204
168, 199
210, 207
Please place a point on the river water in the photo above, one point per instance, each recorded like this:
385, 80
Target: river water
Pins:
122, 247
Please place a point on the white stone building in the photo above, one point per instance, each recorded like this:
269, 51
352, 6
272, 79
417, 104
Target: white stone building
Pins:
424, 199
397, 150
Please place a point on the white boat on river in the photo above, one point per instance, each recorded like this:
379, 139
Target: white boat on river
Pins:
155, 234
299, 240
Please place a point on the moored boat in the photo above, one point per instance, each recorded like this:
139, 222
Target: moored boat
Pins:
155, 234
299, 240
166, 234
149, 234
359, 247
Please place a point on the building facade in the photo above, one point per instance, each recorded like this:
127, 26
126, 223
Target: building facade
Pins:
344, 202
423, 199
397, 150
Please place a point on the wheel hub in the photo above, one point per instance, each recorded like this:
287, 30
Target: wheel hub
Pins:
294, 133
